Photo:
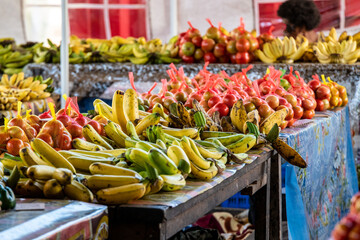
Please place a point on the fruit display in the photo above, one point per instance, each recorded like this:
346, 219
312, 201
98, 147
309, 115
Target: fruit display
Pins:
216, 94
123, 153
17, 88
349, 226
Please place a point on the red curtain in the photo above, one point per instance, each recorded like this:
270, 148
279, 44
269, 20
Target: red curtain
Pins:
90, 23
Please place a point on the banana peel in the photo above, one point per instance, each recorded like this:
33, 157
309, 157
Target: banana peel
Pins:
238, 116
276, 118
285, 151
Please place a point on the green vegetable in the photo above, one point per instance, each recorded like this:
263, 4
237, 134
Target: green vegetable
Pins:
7, 197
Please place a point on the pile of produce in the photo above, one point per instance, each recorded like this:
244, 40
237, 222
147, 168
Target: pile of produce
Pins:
217, 94
123, 153
349, 226
17, 88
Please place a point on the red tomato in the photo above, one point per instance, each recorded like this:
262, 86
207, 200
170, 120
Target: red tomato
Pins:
75, 130
314, 84
320, 106
81, 120
242, 45
53, 127
63, 141
14, 145
290, 114
299, 101
280, 91
47, 138
222, 109
65, 119
96, 125
323, 92
291, 99
209, 57
213, 101
242, 58
219, 50
251, 92
188, 59
291, 122
229, 100
283, 102
308, 114
273, 101
207, 45
233, 58
308, 104
197, 40
256, 101
265, 110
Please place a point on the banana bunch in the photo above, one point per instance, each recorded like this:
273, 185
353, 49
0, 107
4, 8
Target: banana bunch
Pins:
12, 62
336, 52
287, 50
18, 88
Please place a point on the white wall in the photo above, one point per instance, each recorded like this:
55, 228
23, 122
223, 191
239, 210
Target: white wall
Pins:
11, 21
196, 11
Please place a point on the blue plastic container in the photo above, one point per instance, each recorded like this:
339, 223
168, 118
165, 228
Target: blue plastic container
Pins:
237, 201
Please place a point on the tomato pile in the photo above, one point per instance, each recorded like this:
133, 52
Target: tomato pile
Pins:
274, 91
220, 46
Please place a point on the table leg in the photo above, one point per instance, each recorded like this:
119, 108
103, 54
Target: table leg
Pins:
261, 205
275, 197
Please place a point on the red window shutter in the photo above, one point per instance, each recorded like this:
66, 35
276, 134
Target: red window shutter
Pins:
87, 23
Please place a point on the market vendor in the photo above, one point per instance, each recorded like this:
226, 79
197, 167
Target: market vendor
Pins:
300, 17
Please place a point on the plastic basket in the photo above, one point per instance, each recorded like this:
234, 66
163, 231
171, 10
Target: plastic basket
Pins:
237, 201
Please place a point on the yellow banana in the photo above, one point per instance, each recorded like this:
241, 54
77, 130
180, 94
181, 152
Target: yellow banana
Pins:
122, 194
177, 154
83, 163
108, 169
96, 182
77, 191
10, 163
50, 154
173, 182
40, 172
115, 152
238, 116
243, 145
193, 154
85, 145
93, 136
118, 109
115, 133
63, 176
150, 120
179, 133
130, 105
203, 174
30, 158
53, 190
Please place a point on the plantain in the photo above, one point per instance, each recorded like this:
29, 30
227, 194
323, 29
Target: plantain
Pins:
276, 118
238, 116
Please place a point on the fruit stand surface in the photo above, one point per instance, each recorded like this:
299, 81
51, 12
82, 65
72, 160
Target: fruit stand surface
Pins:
319, 196
54, 219
161, 215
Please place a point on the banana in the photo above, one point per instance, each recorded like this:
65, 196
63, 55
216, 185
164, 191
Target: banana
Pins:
130, 142
204, 174
143, 145
131, 131
301, 50
5, 80
10, 163
40, 172
206, 153
30, 188
268, 51
156, 186
215, 134
115, 152
180, 158
63, 176
51, 155
173, 182
228, 140
238, 116
77, 191
30, 158
108, 169
98, 154
160, 143
115, 133
150, 120
130, 105
137, 156
243, 145
277, 117
105, 110
193, 154
158, 108
179, 133
96, 182
162, 162
93, 136
81, 144
122, 194
83, 163
118, 109
53, 190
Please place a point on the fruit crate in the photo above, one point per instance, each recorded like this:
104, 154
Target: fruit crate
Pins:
237, 201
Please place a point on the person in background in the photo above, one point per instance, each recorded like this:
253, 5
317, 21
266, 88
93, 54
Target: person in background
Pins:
300, 17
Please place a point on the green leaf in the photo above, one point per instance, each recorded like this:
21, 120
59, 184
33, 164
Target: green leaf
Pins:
253, 129
273, 134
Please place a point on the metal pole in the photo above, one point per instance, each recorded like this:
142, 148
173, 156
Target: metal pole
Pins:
64, 52
173, 18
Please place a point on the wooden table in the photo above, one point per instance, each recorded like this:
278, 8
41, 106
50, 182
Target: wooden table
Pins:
262, 178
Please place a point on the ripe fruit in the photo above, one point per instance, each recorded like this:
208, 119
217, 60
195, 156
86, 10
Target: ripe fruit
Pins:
188, 48
207, 45
308, 104
323, 92
209, 57
298, 112
199, 54
273, 101
14, 145
319, 105
219, 50
265, 110
231, 47
197, 40
308, 114
242, 45
242, 58
291, 99
254, 44
213, 101
222, 109
334, 101
314, 84
249, 106
188, 59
